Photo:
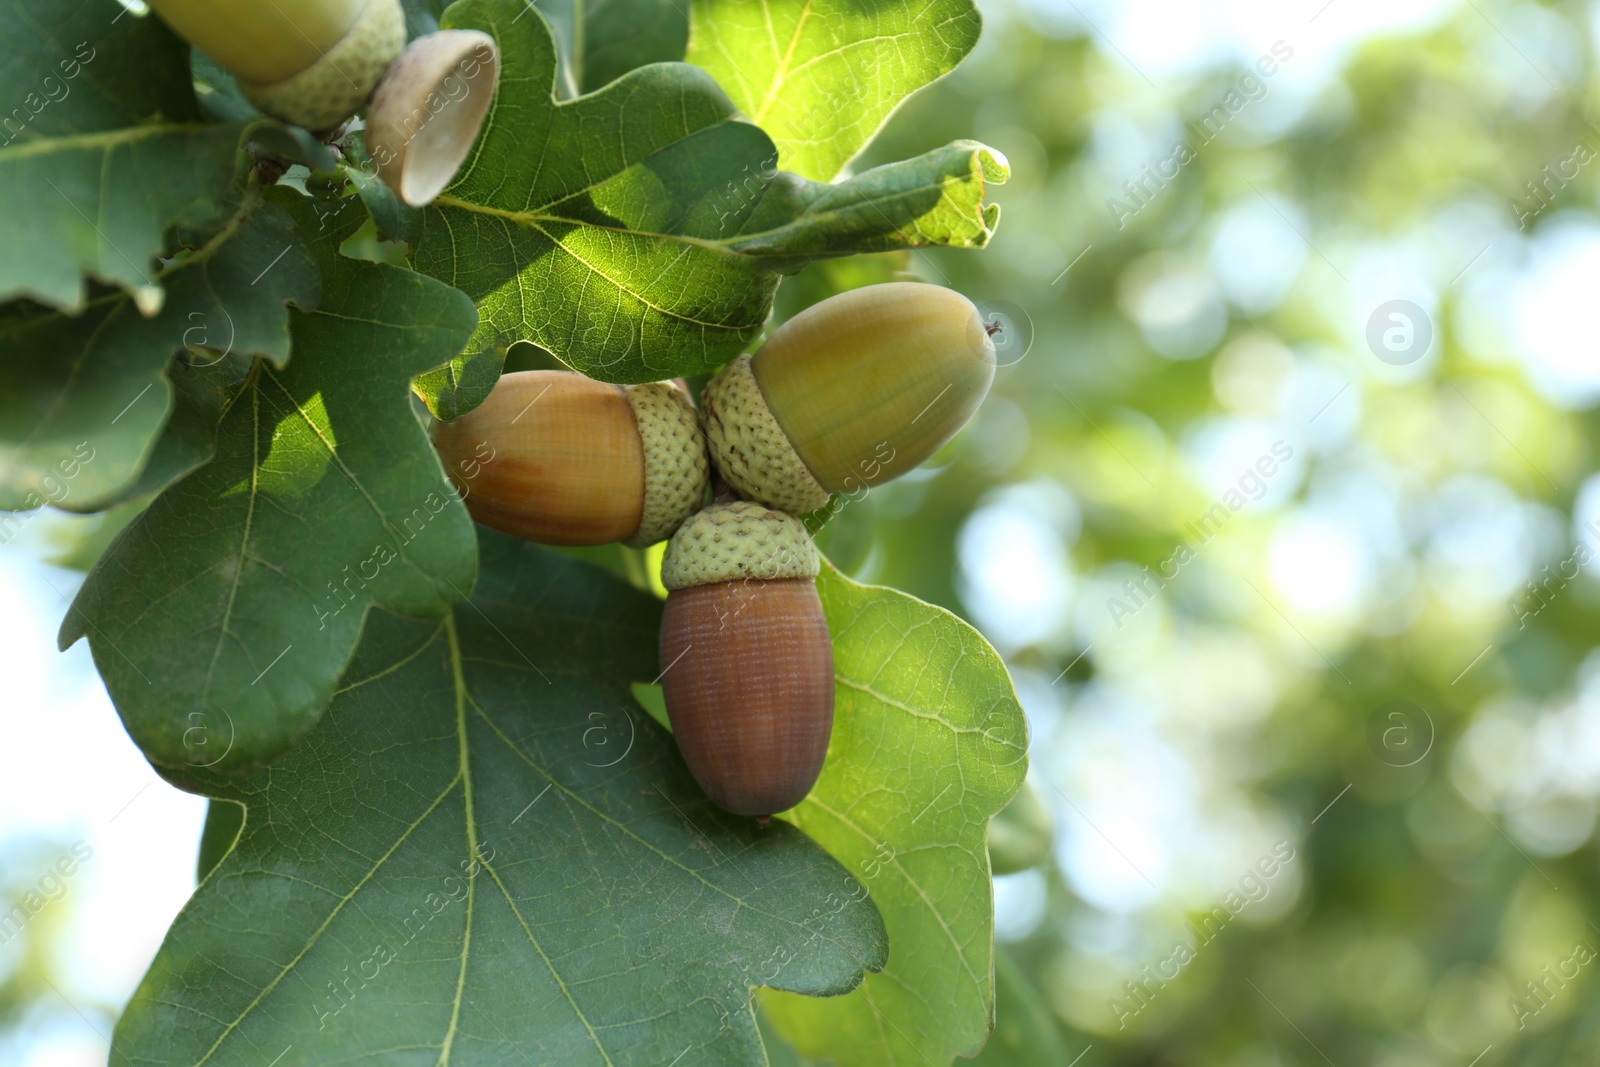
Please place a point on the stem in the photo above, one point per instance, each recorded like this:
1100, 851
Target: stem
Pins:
261, 42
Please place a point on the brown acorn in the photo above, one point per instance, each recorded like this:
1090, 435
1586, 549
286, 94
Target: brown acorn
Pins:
555, 457
747, 662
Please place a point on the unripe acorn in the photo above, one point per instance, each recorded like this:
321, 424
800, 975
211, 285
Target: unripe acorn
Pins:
309, 62
747, 663
851, 392
555, 457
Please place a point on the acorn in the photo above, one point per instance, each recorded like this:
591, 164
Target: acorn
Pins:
851, 392
747, 666
309, 62
555, 457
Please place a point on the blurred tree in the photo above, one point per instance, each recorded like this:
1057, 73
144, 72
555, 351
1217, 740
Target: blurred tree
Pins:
1376, 657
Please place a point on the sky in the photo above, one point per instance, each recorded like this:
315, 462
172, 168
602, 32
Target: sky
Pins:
70, 776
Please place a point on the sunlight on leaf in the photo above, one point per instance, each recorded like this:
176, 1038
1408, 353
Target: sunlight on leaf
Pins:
928, 743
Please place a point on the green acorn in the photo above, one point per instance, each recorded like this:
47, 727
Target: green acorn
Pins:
848, 394
309, 62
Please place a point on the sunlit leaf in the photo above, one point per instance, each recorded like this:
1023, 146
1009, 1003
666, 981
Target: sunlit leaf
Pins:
821, 76
638, 233
928, 743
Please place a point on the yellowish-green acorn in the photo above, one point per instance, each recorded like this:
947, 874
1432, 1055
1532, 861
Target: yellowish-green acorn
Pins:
554, 457
849, 393
309, 62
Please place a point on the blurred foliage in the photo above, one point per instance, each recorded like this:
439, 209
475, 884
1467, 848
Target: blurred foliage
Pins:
1456, 862
36, 930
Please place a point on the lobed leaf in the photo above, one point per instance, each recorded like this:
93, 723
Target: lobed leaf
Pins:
102, 149
484, 855
935, 199
88, 394
638, 233
823, 76
928, 743
222, 616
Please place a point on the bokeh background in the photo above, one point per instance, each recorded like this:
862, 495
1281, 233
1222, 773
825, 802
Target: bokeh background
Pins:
1282, 512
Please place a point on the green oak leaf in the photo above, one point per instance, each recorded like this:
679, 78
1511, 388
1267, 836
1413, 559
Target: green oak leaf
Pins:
224, 820
823, 76
484, 855
463, 383
200, 394
89, 393
601, 40
932, 199
928, 743
1025, 1033
102, 149
221, 101
619, 35
639, 232
221, 618
611, 299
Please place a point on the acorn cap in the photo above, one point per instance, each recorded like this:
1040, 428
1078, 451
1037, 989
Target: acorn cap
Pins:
868, 384
676, 470
334, 87
753, 452
428, 109
738, 540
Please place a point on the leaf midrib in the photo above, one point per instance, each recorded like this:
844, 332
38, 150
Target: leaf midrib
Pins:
629, 832
782, 70
733, 245
103, 139
332, 914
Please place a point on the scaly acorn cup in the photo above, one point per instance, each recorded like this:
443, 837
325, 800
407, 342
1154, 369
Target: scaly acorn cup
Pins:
851, 392
554, 457
427, 111
309, 62
746, 659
